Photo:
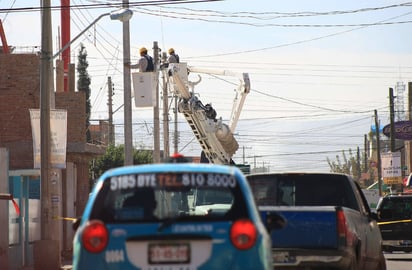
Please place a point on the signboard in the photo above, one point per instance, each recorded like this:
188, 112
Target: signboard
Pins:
391, 168
58, 137
403, 130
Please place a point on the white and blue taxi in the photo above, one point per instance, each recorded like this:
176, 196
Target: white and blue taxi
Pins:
171, 216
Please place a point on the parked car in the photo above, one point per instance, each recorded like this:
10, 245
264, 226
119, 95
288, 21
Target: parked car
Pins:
394, 219
172, 216
329, 223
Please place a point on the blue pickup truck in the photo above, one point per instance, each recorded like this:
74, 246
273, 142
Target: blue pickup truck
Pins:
329, 223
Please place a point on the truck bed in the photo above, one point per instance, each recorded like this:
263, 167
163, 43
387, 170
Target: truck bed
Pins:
329, 223
311, 227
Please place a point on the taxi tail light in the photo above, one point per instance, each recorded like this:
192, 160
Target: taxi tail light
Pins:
95, 236
243, 234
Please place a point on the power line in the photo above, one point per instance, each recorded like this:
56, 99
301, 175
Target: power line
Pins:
254, 15
107, 5
275, 24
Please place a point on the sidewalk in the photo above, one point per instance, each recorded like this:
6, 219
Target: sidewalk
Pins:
66, 265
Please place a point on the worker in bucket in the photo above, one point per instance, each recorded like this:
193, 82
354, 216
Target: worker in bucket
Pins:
145, 63
173, 57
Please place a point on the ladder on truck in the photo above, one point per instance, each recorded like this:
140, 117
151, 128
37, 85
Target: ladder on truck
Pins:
215, 137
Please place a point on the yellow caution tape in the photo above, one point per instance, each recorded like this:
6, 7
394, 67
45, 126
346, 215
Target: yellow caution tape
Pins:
395, 221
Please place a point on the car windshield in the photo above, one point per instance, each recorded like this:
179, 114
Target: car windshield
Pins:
301, 190
162, 196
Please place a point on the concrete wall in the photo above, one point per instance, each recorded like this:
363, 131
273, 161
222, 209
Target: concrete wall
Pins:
4, 209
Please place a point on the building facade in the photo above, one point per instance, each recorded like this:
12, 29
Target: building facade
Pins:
19, 92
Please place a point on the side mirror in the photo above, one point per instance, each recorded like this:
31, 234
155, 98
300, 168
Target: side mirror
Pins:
385, 214
275, 221
373, 215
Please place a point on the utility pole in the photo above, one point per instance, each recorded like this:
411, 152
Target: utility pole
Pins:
156, 121
392, 119
48, 247
166, 148
365, 159
176, 132
358, 164
127, 92
408, 145
110, 105
244, 156
378, 153
392, 124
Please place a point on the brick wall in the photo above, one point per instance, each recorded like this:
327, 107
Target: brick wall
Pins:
19, 92
75, 104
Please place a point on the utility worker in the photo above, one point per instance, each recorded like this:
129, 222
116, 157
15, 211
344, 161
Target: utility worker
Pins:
173, 57
145, 63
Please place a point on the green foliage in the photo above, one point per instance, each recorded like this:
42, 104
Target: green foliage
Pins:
352, 165
114, 157
83, 84
142, 156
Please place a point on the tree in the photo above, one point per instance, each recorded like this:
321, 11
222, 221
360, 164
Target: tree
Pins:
339, 166
83, 85
114, 157
352, 166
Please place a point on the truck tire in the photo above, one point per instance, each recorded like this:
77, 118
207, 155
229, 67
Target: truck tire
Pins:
382, 263
354, 265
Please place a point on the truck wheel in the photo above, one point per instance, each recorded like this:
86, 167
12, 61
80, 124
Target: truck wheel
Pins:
382, 263
354, 265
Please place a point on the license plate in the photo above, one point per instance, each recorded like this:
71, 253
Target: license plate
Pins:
162, 253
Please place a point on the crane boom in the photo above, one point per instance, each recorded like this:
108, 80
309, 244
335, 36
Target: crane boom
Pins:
241, 92
215, 137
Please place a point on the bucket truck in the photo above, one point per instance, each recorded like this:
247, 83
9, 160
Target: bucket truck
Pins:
215, 137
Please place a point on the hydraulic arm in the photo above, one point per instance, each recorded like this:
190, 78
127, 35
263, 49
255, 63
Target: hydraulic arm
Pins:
215, 137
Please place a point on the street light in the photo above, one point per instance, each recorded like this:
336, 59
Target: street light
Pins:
48, 246
122, 15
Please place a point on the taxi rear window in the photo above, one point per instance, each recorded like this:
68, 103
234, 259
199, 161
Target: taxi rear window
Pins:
158, 196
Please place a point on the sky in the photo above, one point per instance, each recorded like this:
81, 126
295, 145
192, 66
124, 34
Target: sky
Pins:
318, 69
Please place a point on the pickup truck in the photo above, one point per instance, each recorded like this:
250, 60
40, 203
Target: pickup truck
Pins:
329, 222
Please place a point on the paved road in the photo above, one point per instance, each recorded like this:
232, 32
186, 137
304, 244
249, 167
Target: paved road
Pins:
394, 261
398, 261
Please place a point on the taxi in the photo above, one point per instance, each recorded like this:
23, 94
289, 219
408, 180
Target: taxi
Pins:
171, 216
